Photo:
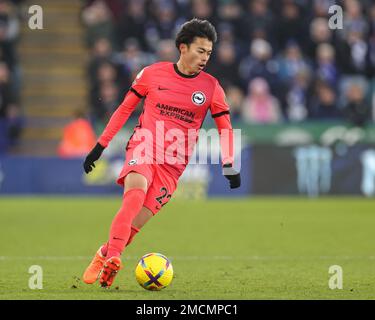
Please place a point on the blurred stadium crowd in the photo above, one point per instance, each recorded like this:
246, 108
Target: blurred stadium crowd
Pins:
278, 60
10, 74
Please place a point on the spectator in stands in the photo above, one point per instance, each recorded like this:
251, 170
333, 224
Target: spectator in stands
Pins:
78, 137
231, 12
226, 34
102, 49
371, 43
99, 22
325, 66
258, 64
291, 25
357, 109
353, 19
101, 52
10, 76
321, 7
353, 53
116, 7
323, 104
260, 106
235, 99
344, 86
107, 75
133, 23
108, 101
293, 85
167, 51
9, 110
9, 34
225, 66
297, 96
291, 63
132, 59
202, 9
260, 17
319, 33
372, 20
6, 97
164, 23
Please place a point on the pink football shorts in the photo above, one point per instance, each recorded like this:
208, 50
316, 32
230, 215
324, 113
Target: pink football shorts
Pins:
161, 183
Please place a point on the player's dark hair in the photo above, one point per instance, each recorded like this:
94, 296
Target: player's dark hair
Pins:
195, 28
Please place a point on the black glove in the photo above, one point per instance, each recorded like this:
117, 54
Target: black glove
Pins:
94, 155
232, 175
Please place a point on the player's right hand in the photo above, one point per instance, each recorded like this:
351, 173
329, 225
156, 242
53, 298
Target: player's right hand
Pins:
94, 155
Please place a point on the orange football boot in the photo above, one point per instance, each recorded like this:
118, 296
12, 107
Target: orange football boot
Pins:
95, 267
110, 269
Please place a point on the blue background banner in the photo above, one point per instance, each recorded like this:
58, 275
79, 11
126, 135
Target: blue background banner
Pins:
46, 176
310, 170
52, 175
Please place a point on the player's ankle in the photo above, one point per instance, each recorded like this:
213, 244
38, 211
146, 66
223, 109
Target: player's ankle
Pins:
103, 250
112, 254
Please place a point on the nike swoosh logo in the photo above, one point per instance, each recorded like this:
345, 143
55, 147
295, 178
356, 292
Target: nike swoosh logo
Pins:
114, 238
160, 88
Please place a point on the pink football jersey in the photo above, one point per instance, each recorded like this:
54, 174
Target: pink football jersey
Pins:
175, 107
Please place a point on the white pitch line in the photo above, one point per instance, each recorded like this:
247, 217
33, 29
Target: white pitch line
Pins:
198, 258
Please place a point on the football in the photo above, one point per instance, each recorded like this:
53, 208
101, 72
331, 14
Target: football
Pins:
154, 271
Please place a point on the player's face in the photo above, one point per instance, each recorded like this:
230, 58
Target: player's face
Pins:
197, 54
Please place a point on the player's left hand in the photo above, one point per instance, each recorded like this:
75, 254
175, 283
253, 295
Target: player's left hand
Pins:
232, 175
94, 155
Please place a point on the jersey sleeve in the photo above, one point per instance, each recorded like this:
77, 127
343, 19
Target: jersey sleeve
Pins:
141, 82
137, 91
219, 106
119, 118
220, 113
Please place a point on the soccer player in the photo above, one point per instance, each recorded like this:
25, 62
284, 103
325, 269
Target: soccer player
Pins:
177, 97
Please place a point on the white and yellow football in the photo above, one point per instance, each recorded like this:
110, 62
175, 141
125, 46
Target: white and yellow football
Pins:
154, 271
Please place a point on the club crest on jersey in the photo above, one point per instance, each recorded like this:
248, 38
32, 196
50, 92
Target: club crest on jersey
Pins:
198, 98
132, 162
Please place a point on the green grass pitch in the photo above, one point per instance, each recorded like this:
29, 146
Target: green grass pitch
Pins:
256, 248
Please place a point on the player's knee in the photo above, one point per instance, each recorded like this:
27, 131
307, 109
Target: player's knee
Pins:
135, 181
